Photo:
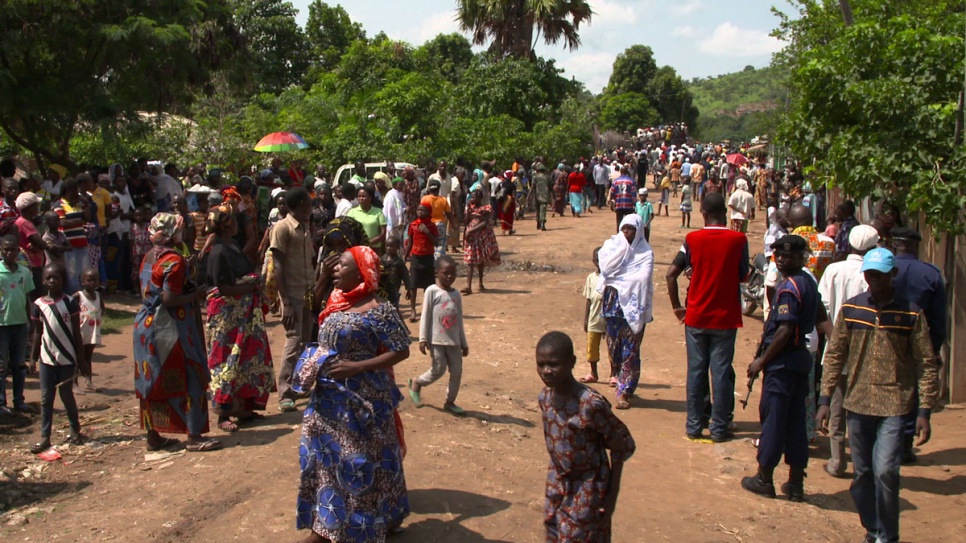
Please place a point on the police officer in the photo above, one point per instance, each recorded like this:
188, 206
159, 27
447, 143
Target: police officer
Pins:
921, 283
786, 361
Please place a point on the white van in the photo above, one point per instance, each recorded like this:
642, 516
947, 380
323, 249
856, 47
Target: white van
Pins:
346, 171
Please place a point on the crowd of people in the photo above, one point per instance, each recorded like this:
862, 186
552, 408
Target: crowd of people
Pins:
213, 255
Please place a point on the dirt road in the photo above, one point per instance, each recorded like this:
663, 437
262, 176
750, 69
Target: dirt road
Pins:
475, 479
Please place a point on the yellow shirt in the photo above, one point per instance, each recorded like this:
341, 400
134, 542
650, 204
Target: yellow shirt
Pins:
103, 200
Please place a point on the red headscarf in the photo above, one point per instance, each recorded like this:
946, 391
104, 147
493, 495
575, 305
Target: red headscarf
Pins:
368, 263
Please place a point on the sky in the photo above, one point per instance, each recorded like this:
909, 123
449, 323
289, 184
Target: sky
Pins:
698, 38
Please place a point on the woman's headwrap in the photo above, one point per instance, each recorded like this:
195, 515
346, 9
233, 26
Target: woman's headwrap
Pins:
165, 228
741, 184
629, 268
343, 229
219, 217
231, 195
112, 169
369, 268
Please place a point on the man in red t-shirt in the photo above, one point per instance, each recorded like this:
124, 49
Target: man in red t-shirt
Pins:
718, 258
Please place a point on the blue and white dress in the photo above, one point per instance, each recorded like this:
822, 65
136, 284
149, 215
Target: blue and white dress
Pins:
352, 486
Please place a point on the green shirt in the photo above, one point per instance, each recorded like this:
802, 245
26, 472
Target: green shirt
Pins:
14, 288
645, 211
370, 221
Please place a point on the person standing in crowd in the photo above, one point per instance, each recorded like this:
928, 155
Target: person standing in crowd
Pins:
575, 184
117, 259
645, 211
351, 452
421, 238
886, 365
394, 208
627, 287
742, 205
16, 284
621, 196
594, 325
686, 205
718, 258
170, 366
239, 356
74, 213
442, 215
845, 212
292, 252
921, 283
542, 191
370, 217
411, 194
601, 181
8, 205
821, 248
843, 281
32, 243
787, 362
579, 428
560, 187
457, 197
479, 242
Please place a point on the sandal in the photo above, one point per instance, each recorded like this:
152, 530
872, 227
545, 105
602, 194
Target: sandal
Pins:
466, 291
612, 382
38, 448
165, 443
622, 404
414, 394
74, 439
589, 378
203, 446
286, 405
228, 426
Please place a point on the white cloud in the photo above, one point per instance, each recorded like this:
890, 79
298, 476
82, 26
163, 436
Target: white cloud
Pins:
685, 8
434, 25
593, 69
728, 40
611, 12
686, 31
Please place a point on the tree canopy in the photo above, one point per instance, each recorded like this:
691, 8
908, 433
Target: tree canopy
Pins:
513, 27
874, 104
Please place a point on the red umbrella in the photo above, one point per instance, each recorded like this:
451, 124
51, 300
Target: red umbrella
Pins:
737, 159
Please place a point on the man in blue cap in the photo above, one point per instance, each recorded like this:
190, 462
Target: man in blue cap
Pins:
786, 361
883, 341
922, 283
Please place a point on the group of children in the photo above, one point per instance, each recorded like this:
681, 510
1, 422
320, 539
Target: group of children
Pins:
65, 331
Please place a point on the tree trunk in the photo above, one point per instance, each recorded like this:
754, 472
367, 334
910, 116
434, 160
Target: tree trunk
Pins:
846, 12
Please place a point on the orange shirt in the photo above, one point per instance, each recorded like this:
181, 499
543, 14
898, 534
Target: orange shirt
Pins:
440, 207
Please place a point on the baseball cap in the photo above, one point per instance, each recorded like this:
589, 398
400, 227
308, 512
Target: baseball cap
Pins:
790, 244
863, 237
881, 260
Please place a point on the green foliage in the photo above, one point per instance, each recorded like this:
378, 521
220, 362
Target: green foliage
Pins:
447, 55
514, 26
740, 105
275, 51
874, 104
66, 64
639, 93
330, 32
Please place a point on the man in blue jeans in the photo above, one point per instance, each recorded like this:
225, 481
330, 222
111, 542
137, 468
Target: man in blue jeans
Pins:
16, 282
718, 259
883, 341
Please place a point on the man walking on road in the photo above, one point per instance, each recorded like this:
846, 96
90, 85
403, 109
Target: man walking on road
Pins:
622, 196
601, 181
718, 258
886, 365
542, 190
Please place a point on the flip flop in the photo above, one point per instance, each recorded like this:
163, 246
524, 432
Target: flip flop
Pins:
455, 409
286, 405
228, 426
203, 446
414, 394
165, 443
622, 404
589, 378
612, 382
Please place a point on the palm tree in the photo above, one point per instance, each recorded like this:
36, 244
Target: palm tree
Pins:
515, 26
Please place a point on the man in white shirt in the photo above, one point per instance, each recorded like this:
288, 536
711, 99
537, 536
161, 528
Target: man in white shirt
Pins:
840, 282
444, 178
601, 181
742, 203
342, 205
167, 188
394, 208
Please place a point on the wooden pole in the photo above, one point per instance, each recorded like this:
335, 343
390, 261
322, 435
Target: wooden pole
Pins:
846, 12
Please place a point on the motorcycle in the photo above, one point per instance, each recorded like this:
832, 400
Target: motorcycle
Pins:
753, 290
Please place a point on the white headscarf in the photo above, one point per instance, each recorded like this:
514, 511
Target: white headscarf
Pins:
110, 171
629, 268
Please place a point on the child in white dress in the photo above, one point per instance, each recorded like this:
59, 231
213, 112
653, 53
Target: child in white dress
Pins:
91, 310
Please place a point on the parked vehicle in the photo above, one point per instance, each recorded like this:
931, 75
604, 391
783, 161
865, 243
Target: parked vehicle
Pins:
345, 171
753, 290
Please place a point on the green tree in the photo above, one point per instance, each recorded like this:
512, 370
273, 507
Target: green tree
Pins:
671, 97
448, 55
274, 43
71, 63
873, 106
330, 32
515, 26
628, 111
633, 70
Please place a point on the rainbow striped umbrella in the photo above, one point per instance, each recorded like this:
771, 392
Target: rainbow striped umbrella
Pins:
279, 142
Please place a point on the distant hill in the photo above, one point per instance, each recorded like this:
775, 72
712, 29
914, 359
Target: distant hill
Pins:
738, 106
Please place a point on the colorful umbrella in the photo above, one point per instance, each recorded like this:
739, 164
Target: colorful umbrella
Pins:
737, 159
279, 142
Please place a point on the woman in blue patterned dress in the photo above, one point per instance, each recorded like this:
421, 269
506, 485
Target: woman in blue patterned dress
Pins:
352, 485
626, 269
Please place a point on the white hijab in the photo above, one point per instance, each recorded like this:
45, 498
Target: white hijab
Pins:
629, 268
